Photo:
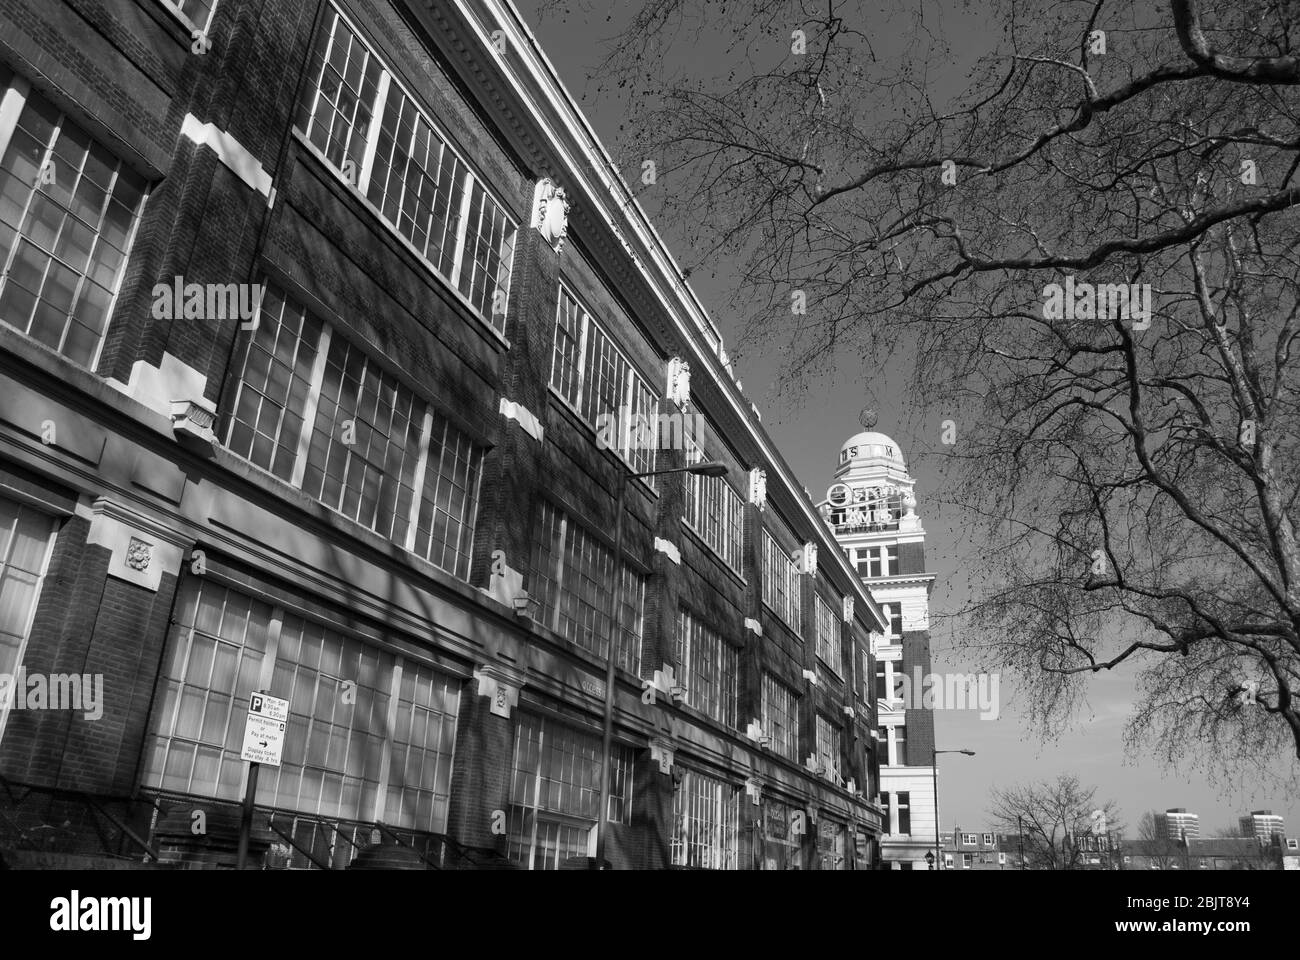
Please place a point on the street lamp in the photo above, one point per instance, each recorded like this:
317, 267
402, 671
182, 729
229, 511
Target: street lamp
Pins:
708, 468
934, 771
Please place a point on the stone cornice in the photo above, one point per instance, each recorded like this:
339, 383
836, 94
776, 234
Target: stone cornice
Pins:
523, 93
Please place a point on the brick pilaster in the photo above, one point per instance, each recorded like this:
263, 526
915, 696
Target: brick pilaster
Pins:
480, 783
514, 470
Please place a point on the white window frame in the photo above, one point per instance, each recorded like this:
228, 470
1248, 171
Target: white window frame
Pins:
279, 611
716, 491
627, 390
620, 757
694, 638
828, 636
7, 703
551, 611
828, 741
174, 9
13, 98
386, 81
772, 689
309, 416
716, 805
879, 554
779, 564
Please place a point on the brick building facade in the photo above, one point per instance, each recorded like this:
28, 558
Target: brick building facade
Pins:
380, 491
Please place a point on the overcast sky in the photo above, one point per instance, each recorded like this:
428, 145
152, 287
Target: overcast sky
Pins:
810, 434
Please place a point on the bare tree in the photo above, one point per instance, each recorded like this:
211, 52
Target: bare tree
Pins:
1052, 817
1129, 476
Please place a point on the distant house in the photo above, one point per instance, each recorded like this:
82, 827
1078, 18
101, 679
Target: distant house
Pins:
1228, 853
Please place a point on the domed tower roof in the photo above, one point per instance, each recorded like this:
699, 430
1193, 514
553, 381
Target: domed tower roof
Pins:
873, 446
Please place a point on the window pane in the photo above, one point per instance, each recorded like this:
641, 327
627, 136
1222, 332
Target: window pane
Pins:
781, 583
54, 187
274, 385
713, 509
448, 499
339, 97
555, 791
25, 537
574, 574
209, 637
339, 691
705, 815
780, 717
707, 666
828, 637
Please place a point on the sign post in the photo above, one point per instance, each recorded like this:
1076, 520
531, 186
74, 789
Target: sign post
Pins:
263, 743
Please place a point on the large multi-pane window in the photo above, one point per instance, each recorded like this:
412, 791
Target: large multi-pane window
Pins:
828, 637
780, 841
880, 561
594, 376
893, 745
320, 414
68, 213
781, 583
363, 121
780, 717
828, 745
351, 706
555, 792
705, 815
575, 574
26, 537
714, 510
832, 844
708, 666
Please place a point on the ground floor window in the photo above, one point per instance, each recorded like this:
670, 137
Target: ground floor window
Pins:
370, 734
555, 793
863, 850
705, 813
781, 835
26, 539
832, 844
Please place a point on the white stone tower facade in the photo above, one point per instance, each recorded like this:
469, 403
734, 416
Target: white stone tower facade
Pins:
871, 506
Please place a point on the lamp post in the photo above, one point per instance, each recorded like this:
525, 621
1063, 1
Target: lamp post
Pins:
934, 771
709, 468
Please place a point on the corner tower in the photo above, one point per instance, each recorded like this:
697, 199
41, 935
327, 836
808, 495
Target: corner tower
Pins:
871, 506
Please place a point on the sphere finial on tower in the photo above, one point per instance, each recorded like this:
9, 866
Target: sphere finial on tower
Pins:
868, 419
